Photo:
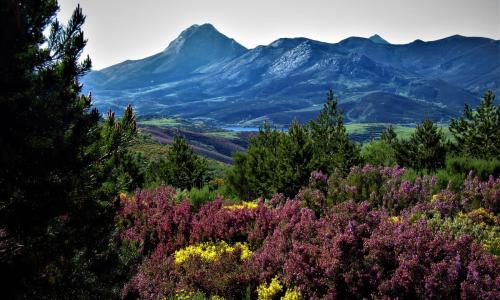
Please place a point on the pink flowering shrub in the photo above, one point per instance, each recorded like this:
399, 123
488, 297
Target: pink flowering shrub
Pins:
354, 247
476, 193
152, 217
213, 222
382, 187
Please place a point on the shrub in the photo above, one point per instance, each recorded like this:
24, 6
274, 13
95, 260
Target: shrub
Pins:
481, 167
199, 196
348, 250
479, 224
152, 217
476, 193
383, 187
379, 153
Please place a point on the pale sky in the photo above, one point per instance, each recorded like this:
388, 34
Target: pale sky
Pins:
118, 30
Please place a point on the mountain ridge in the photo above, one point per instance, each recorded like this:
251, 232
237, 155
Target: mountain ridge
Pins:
205, 74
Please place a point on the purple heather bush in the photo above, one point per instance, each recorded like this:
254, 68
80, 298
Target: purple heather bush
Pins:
337, 239
383, 187
476, 193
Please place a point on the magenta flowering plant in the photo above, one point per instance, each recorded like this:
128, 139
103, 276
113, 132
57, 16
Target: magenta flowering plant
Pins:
476, 193
318, 180
151, 217
381, 247
383, 187
406, 194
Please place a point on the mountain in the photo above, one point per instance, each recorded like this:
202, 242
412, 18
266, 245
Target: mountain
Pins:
377, 39
204, 74
196, 46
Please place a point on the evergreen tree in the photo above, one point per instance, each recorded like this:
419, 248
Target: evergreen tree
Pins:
256, 172
56, 217
389, 135
182, 167
331, 144
425, 150
283, 161
477, 133
294, 167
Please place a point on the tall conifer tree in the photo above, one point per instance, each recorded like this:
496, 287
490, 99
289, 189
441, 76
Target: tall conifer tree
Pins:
477, 132
55, 216
331, 144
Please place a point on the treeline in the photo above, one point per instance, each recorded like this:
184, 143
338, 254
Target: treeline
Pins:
278, 161
282, 161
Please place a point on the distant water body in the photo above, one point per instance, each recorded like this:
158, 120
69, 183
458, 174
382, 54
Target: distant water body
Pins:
241, 129
247, 129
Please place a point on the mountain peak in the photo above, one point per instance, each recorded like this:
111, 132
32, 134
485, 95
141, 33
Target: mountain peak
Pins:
206, 28
377, 39
204, 37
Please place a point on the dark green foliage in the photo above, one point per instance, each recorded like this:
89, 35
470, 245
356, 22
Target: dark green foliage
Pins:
182, 168
197, 196
379, 153
425, 150
332, 147
481, 167
61, 166
255, 172
296, 159
477, 133
458, 167
389, 135
282, 161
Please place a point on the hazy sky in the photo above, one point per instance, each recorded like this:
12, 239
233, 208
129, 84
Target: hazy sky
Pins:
131, 29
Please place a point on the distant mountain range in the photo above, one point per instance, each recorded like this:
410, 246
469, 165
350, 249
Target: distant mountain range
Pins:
204, 74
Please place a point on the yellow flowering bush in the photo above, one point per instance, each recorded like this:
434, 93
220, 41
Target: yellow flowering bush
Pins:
394, 219
481, 215
267, 292
436, 197
244, 204
292, 294
210, 251
182, 295
123, 196
473, 224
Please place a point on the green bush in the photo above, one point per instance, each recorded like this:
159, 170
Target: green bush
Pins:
379, 153
445, 179
481, 167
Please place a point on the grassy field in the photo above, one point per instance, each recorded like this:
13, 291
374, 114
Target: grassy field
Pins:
364, 132
168, 122
224, 134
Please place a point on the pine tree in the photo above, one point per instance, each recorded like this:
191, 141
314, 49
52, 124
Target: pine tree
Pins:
477, 133
332, 147
182, 168
56, 218
389, 135
294, 167
283, 161
256, 172
425, 150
